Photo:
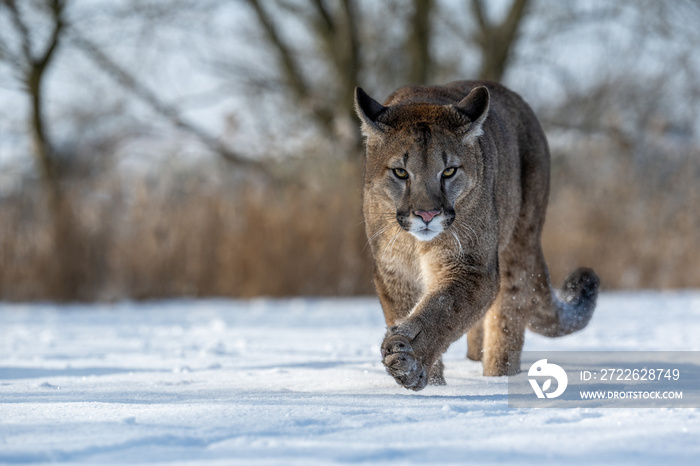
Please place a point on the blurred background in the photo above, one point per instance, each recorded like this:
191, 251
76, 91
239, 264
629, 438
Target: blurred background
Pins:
166, 148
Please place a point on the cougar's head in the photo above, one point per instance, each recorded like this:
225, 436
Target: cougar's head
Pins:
422, 159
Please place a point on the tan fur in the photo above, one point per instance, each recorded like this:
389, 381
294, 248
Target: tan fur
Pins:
456, 186
475, 340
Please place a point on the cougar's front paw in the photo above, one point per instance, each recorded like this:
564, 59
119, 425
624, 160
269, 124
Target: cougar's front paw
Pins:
401, 361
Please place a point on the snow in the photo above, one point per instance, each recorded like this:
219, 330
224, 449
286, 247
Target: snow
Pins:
300, 381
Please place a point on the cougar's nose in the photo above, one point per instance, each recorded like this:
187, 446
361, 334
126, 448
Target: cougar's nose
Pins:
426, 215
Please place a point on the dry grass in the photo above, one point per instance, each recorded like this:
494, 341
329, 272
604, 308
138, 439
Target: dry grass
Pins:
152, 242
142, 240
637, 224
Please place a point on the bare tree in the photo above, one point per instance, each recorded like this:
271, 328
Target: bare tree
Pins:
30, 61
337, 40
335, 34
172, 114
497, 40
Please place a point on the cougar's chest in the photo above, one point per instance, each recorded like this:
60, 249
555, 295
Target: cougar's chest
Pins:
398, 262
413, 267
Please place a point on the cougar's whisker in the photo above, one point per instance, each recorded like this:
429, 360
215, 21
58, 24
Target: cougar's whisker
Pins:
381, 230
461, 230
459, 244
469, 231
391, 243
476, 237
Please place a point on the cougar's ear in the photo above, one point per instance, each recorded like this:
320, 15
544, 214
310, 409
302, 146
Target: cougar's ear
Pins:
369, 111
475, 107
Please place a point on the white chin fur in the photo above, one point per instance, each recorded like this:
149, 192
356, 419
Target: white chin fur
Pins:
425, 233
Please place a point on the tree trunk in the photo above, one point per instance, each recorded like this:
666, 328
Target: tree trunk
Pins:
419, 42
67, 274
497, 40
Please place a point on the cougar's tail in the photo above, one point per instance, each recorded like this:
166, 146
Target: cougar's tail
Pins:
569, 309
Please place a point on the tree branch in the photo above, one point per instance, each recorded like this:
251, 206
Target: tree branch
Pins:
478, 10
25, 39
6, 54
511, 25
353, 42
56, 7
496, 40
131, 84
291, 69
324, 15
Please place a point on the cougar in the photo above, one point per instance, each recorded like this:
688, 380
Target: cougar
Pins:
455, 194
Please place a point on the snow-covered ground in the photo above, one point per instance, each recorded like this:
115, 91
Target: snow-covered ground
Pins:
299, 382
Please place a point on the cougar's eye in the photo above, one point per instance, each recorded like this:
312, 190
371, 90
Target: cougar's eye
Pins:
400, 173
449, 172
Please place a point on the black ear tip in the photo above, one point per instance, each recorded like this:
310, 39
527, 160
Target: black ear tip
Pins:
475, 105
360, 95
367, 104
481, 93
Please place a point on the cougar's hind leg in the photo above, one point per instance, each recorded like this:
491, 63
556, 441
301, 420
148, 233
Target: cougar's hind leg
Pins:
524, 279
475, 341
524, 285
504, 333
